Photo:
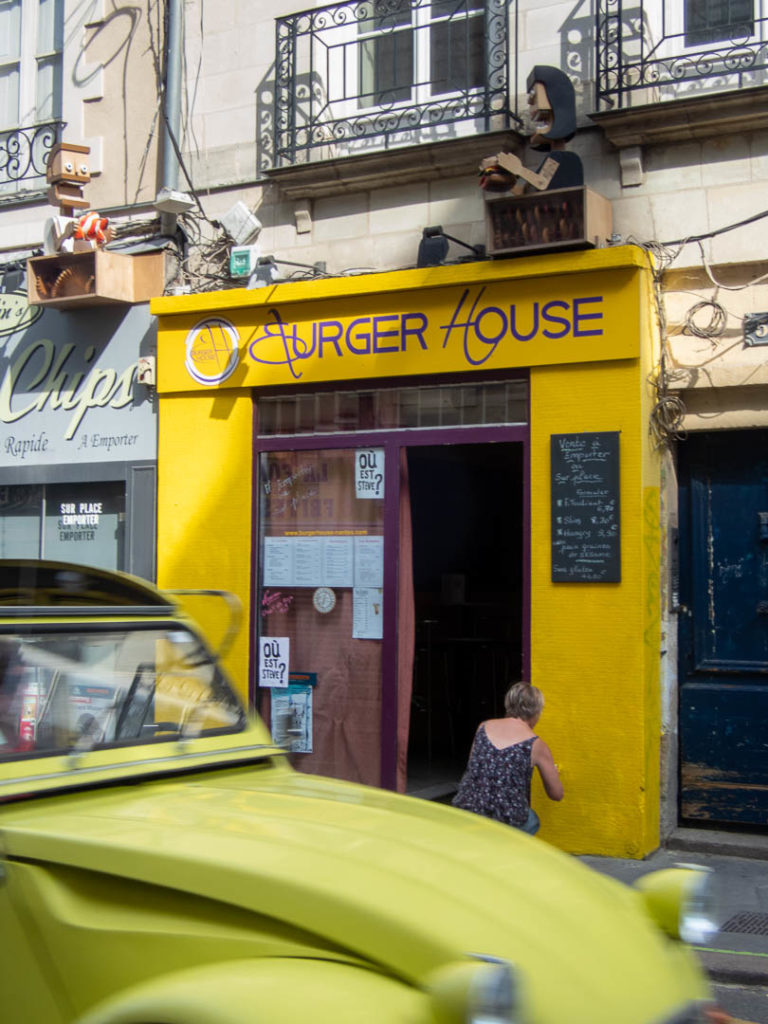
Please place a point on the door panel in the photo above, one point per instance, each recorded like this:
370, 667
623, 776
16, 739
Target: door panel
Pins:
724, 627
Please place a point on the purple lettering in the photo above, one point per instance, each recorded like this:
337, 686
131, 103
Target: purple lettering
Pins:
421, 320
513, 323
329, 331
552, 319
578, 316
379, 333
352, 337
491, 339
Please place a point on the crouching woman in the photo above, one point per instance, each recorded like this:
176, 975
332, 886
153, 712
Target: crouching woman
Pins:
497, 779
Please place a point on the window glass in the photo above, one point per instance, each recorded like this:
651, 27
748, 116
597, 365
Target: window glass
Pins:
393, 67
20, 515
10, 29
30, 52
441, 44
321, 593
9, 97
457, 52
712, 21
48, 88
81, 689
387, 56
85, 523
50, 26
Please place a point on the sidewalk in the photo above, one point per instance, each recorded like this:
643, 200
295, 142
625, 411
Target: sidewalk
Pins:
738, 953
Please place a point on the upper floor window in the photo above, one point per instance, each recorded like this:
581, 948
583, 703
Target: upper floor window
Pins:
419, 52
653, 51
30, 61
31, 34
356, 77
715, 21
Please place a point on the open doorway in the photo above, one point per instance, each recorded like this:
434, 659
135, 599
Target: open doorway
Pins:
467, 516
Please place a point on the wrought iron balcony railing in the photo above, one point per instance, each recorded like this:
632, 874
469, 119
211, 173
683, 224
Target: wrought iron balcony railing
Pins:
23, 155
367, 75
655, 50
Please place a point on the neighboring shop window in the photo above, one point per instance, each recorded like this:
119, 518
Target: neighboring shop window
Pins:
20, 511
321, 516
83, 522
447, 405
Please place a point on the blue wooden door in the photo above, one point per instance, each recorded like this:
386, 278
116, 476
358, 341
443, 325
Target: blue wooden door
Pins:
723, 634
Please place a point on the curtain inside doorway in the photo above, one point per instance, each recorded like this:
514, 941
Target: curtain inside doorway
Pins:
406, 627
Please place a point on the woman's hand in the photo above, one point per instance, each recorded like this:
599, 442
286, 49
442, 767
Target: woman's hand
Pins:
541, 757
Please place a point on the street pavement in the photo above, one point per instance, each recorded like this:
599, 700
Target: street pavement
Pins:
736, 958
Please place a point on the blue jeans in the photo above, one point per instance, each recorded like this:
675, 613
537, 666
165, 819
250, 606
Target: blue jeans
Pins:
532, 824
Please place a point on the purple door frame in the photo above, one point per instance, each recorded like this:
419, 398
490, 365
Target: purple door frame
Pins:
392, 441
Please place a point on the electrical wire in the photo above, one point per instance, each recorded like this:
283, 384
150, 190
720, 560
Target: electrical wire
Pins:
718, 319
667, 417
667, 420
719, 284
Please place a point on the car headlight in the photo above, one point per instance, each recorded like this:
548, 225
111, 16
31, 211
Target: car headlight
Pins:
682, 901
483, 990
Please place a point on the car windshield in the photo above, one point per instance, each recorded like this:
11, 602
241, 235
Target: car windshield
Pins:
82, 689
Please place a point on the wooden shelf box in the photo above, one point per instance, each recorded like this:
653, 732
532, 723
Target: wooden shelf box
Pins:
562, 218
97, 277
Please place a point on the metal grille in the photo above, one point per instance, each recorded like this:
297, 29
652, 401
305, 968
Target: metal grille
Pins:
460, 405
364, 75
651, 51
747, 923
24, 152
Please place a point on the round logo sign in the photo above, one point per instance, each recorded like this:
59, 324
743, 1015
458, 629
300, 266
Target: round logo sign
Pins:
212, 351
15, 312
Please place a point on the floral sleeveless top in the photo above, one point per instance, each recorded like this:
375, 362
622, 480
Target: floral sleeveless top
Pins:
497, 782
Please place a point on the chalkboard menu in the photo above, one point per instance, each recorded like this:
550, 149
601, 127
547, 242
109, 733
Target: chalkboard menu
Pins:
586, 538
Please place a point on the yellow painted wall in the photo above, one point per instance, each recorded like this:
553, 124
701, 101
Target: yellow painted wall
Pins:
595, 647
205, 463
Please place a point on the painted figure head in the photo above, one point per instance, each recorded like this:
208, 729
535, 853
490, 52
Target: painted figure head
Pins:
68, 162
67, 172
552, 105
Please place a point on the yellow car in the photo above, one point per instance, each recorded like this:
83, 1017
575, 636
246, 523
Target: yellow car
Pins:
162, 863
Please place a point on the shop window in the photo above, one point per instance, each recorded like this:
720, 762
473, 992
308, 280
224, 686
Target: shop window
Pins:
715, 21
82, 522
320, 600
328, 412
20, 512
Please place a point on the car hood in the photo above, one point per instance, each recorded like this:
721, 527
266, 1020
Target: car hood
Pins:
398, 882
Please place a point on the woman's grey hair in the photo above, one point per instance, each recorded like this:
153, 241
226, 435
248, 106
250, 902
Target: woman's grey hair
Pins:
524, 701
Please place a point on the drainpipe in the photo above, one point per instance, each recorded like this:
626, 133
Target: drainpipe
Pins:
170, 201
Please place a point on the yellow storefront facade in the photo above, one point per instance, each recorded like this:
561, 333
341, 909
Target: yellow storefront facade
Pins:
452, 394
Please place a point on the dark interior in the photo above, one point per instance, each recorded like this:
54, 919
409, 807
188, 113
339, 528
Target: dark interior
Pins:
466, 506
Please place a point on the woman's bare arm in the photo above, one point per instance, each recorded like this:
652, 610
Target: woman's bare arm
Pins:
541, 757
